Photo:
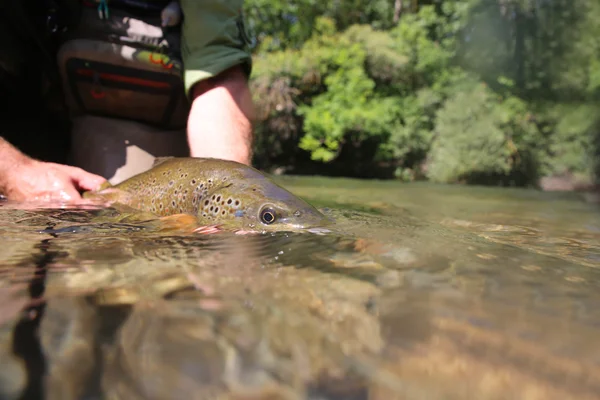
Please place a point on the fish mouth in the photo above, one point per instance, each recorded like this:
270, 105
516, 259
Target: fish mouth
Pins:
319, 225
316, 231
313, 230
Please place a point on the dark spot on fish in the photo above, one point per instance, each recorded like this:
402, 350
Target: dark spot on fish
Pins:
202, 185
204, 214
218, 199
193, 181
154, 180
216, 210
210, 181
153, 200
237, 202
213, 196
175, 192
185, 191
228, 201
178, 169
171, 183
160, 206
254, 189
211, 208
206, 203
223, 212
173, 203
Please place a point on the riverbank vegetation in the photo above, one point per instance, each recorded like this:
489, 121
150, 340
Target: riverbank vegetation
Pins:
475, 91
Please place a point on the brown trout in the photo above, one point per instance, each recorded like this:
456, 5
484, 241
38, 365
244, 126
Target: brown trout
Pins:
216, 192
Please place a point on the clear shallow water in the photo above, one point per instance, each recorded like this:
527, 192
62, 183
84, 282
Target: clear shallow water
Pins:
422, 291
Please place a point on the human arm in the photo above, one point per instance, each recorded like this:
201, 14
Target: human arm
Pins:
217, 64
219, 123
23, 178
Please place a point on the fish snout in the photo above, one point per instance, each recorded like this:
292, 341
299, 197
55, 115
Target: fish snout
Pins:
312, 221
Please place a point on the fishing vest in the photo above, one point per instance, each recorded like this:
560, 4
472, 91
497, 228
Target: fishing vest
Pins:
117, 61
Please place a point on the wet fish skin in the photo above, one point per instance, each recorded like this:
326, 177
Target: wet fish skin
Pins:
216, 191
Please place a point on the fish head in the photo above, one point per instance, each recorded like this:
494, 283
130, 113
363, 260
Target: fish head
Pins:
260, 205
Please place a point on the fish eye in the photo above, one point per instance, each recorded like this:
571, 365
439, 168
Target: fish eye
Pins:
267, 216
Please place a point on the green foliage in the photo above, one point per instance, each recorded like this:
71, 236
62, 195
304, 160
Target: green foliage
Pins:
481, 134
572, 141
280, 24
487, 91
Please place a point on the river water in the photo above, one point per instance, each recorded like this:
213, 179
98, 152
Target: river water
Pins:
421, 292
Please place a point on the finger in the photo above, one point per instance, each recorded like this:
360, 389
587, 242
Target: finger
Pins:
83, 179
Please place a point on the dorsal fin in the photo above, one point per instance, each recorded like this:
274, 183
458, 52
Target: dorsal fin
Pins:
160, 160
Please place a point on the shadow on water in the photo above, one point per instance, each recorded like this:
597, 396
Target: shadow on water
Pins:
26, 343
420, 292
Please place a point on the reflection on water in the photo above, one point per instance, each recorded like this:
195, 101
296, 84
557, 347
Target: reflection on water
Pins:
421, 292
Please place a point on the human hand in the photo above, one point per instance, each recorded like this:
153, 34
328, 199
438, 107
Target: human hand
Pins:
34, 180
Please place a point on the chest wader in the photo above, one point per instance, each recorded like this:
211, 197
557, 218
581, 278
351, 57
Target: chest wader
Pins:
121, 73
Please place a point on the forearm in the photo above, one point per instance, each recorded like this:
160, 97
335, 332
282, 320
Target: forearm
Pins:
10, 153
10, 159
220, 120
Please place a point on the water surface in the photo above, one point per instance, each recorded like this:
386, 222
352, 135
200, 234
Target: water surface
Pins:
422, 291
